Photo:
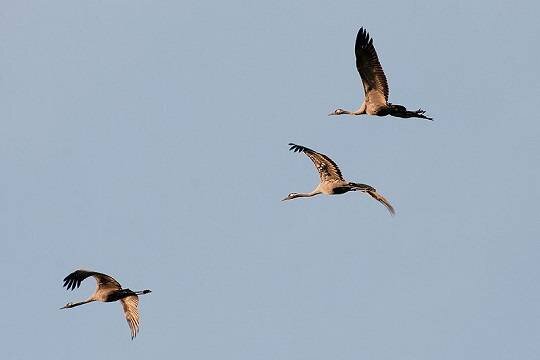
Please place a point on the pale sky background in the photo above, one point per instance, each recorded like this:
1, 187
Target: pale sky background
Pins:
148, 140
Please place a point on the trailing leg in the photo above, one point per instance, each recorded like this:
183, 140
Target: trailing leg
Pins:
402, 112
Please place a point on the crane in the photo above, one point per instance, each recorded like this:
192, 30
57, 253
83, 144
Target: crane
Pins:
375, 84
107, 290
331, 180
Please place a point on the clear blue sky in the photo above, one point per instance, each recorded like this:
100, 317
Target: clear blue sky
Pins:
148, 140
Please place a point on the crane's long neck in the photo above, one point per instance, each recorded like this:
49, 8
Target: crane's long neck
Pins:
309, 194
361, 110
70, 305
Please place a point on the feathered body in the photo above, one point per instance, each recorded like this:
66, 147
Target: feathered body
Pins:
375, 84
332, 181
108, 290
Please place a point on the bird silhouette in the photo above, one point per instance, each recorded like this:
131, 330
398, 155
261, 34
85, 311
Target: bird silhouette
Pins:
107, 290
375, 84
331, 180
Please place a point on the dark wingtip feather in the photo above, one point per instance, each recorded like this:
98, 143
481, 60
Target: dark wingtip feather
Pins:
67, 283
363, 39
391, 209
295, 148
70, 283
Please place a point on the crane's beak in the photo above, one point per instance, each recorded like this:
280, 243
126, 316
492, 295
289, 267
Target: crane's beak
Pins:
287, 198
67, 306
331, 114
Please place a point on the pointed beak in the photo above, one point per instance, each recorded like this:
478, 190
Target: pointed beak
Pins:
287, 198
63, 307
331, 114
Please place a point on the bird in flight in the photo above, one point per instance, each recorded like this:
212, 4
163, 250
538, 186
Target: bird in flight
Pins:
332, 182
375, 84
107, 290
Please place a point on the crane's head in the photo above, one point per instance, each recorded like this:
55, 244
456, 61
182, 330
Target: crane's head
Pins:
339, 112
290, 196
67, 306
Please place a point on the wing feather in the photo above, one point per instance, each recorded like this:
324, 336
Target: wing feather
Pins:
380, 198
103, 281
131, 311
328, 169
368, 65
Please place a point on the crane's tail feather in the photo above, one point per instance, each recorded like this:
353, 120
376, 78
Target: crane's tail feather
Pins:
402, 112
374, 194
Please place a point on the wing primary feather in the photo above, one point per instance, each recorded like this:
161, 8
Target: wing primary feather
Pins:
326, 167
368, 65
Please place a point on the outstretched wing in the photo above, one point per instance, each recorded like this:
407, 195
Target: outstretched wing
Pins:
104, 282
131, 312
378, 196
328, 170
374, 194
369, 67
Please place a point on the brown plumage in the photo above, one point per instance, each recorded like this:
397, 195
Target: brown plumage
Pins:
331, 180
375, 84
107, 290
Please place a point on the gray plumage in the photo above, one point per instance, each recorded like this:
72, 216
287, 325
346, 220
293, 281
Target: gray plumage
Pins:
375, 84
332, 181
107, 290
